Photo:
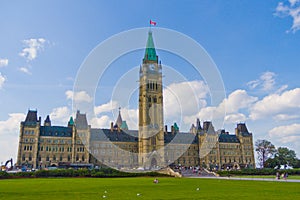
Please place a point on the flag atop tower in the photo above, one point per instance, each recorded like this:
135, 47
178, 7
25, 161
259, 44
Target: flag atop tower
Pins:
152, 23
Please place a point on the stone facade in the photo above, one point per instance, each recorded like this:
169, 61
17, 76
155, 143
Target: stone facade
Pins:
151, 146
45, 145
151, 133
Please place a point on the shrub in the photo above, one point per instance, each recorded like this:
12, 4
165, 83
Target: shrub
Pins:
264, 171
4, 175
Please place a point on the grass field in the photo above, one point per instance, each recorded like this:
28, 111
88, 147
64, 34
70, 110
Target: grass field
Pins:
144, 188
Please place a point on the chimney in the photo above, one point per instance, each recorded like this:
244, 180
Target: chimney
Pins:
172, 129
166, 129
111, 126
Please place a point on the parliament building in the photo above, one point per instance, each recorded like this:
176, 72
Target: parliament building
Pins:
152, 146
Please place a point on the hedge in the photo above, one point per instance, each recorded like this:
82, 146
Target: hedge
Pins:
104, 172
265, 171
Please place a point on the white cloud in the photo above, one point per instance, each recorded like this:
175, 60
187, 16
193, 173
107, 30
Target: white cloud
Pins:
287, 134
3, 62
25, 70
233, 106
101, 122
184, 99
292, 10
281, 89
32, 47
81, 96
60, 114
12, 124
293, 2
9, 147
285, 117
131, 117
2, 80
237, 100
107, 107
266, 82
286, 103
9, 136
287, 130
234, 118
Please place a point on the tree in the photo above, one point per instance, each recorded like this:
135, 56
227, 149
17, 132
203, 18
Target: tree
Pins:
265, 150
283, 156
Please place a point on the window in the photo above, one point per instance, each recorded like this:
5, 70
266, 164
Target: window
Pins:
47, 158
60, 158
54, 157
155, 100
69, 157
23, 157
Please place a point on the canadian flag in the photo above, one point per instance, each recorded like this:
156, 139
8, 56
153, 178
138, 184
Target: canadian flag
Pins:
152, 23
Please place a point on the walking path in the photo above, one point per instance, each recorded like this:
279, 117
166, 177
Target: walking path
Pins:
247, 179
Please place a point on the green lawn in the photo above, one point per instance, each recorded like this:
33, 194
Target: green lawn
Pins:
143, 188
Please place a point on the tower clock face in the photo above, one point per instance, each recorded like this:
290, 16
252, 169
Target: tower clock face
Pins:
152, 67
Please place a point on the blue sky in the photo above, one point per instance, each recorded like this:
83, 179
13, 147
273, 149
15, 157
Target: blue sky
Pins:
255, 45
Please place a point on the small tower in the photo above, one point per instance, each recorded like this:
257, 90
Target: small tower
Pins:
71, 122
47, 121
29, 131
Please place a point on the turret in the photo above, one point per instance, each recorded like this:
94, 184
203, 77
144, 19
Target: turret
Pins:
71, 122
47, 121
241, 128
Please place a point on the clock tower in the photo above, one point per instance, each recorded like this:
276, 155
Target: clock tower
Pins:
151, 123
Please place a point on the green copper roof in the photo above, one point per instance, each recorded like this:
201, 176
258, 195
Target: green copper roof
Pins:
124, 125
150, 53
176, 128
71, 121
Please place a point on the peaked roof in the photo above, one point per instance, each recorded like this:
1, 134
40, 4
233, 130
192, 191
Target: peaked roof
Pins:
47, 120
71, 121
150, 53
226, 138
31, 116
56, 131
119, 119
81, 121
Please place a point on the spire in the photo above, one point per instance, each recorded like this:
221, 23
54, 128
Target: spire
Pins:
47, 121
198, 124
119, 119
150, 53
71, 121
